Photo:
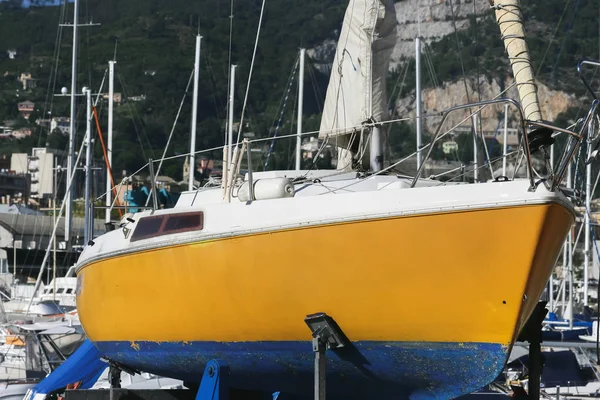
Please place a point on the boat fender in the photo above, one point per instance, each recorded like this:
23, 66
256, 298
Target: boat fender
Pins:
265, 189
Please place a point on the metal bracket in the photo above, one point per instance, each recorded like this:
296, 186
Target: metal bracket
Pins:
214, 384
326, 335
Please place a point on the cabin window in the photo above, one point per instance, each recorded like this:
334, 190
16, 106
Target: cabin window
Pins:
60, 290
69, 291
147, 227
159, 225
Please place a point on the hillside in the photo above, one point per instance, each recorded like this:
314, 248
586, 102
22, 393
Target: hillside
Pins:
155, 44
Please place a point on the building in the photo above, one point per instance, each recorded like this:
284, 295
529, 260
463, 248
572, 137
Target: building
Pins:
5, 132
117, 97
449, 147
62, 124
27, 81
21, 133
14, 187
40, 168
141, 97
12, 54
26, 108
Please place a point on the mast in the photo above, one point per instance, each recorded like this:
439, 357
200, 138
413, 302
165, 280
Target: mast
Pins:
418, 99
111, 95
505, 145
300, 104
588, 194
475, 154
194, 115
88, 166
510, 20
71, 157
570, 256
230, 120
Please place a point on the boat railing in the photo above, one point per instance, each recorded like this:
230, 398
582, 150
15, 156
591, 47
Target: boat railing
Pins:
538, 130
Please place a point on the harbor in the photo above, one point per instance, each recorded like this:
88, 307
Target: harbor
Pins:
197, 223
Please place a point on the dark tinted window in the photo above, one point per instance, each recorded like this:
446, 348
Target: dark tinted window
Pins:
167, 224
147, 227
183, 222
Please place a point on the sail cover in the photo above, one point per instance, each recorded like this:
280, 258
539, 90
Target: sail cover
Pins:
357, 85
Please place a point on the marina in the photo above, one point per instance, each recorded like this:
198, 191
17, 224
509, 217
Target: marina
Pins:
412, 277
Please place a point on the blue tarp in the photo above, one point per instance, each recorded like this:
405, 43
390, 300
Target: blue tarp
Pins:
84, 365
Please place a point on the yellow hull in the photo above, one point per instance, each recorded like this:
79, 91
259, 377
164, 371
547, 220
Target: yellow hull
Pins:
461, 277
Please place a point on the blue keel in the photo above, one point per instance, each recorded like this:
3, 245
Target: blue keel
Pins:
214, 385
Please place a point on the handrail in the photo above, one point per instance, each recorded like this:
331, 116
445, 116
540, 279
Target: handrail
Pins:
568, 156
587, 61
481, 104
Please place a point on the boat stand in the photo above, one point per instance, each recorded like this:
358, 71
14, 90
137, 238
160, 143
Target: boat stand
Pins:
327, 335
532, 333
214, 385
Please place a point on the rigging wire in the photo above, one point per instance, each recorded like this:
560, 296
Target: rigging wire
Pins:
133, 115
260, 19
283, 105
565, 39
315, 84
171, 134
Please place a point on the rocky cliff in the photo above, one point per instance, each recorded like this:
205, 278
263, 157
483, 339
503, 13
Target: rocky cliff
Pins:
450, 94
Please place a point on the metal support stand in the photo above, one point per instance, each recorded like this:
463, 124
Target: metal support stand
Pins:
114, 377
214, 385
319, 347
327, 335
532, 333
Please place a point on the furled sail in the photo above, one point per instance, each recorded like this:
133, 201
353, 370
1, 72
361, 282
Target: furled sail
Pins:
510, 20
357, 86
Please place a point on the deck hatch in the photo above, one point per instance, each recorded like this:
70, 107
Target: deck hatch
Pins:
159, 225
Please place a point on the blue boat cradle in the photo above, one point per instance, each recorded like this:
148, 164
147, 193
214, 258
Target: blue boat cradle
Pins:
85, 366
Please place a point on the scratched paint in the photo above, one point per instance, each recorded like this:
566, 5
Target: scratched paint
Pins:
409, 370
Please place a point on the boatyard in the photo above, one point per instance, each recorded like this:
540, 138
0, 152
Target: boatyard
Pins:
359, 237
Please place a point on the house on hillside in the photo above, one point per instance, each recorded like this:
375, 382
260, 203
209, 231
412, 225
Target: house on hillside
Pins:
26, 108
12, 54
22, 133
117, 97
27, 81
63, 124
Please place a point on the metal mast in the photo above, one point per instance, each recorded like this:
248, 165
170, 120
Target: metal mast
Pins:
300, 104
111, 95
71, 157
194, 115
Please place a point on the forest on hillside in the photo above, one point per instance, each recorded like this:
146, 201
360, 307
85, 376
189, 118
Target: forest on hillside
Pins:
154, 44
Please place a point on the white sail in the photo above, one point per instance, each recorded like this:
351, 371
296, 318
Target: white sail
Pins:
357, 85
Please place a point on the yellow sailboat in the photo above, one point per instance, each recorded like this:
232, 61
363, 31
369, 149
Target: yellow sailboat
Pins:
410, 269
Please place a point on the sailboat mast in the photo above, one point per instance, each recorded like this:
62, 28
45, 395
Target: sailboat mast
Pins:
475, 152
111, 95
230, 120
71, 157
88, 166
300, 111
570, 255
588, 199
418, 98
194, 115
